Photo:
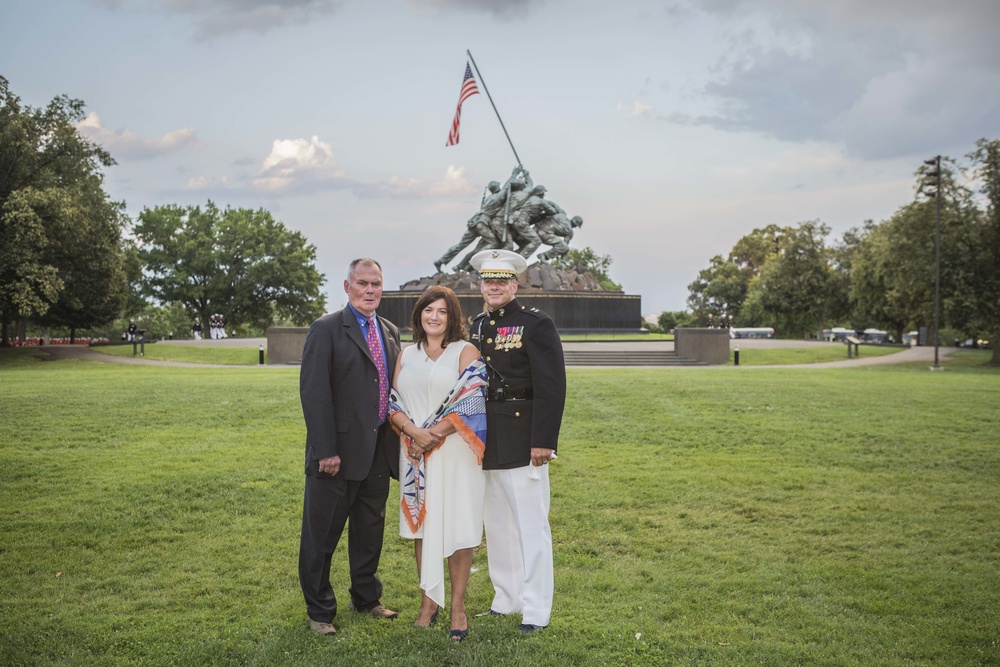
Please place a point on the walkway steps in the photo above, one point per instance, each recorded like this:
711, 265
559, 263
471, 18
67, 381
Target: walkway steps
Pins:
627, 358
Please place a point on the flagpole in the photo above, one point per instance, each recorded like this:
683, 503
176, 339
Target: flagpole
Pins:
490, 98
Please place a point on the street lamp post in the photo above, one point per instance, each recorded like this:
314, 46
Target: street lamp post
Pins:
933, 178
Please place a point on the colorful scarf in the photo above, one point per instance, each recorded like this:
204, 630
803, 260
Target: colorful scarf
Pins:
465, 408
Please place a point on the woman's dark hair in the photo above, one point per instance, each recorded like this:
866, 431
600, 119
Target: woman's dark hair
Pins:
455, 330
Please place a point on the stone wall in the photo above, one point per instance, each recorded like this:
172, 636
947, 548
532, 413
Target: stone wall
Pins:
708, 345
285, 344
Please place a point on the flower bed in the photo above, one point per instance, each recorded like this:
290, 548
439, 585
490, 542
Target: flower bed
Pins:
56, 341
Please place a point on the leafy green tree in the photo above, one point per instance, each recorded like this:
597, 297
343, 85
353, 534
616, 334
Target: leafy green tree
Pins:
241, 263
754, 250
719, 290
588, 260
672, 319
892, 273
976, 308
158, 322
87, 248
28, 284
871, 299
722, 288
799, 289
51, 195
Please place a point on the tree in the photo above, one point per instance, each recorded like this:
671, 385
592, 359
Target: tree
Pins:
799, 289
719, 290
588, 260
57, 226
977, 306
238, 262
892, 275
28, 284
674, 319
723, 286
87, 248
872, 271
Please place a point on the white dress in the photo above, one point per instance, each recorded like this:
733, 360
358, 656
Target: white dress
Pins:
455, 484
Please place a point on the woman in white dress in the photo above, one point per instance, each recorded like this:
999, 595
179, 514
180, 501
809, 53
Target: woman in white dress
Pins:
446, 518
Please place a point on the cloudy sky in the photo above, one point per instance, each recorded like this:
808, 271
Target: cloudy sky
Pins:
673, 128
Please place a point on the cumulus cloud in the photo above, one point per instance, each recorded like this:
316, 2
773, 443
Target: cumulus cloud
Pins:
217, 18
634, 110
127, 144
871, 77
306, 166
299, 165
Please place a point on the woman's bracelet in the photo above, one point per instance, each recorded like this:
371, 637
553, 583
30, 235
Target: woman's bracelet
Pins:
402, 429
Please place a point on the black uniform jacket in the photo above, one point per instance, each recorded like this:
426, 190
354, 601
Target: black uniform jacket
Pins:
338, 385
521, 348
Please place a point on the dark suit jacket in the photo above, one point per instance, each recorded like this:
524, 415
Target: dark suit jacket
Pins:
338, 385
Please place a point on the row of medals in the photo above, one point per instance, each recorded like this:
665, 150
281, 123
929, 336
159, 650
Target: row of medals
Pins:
509, 341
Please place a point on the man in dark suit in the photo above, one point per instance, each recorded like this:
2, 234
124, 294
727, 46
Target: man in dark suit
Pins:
350, 450
524, 407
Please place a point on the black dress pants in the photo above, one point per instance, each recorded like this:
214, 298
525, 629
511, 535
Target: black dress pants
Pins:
329, 504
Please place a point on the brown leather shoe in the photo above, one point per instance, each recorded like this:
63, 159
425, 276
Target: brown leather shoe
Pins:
319, 628
382, 611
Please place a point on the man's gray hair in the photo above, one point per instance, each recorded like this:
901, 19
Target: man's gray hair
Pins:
362, 261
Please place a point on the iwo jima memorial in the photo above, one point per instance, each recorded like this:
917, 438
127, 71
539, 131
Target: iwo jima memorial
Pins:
519, 216
516, 215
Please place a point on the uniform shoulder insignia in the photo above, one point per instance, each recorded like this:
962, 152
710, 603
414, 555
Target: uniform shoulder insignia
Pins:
533, 311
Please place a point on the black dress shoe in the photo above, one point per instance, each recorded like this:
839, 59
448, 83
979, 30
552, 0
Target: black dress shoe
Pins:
459, 635
528, 628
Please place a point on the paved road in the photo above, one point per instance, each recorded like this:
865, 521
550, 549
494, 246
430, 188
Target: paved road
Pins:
925, 354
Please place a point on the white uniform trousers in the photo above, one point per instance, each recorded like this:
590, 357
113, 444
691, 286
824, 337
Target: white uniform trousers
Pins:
519, 543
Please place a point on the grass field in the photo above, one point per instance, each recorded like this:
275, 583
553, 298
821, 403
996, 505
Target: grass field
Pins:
232, 356
763, 516
249, 356
810, 354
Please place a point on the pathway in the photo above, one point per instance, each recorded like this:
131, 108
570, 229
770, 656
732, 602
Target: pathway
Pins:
925, 354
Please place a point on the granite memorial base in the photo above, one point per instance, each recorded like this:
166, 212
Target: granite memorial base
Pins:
572, 312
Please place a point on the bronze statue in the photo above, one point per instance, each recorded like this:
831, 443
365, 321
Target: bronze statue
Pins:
517, 213
557, 231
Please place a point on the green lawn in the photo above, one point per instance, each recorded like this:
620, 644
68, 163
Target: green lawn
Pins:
249, 356
700, 517
813, 353
210, 354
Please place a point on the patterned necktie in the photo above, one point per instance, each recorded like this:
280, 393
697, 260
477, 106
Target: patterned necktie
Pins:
383, 380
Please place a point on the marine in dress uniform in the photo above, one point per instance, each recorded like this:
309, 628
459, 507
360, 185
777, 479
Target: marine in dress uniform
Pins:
524, 407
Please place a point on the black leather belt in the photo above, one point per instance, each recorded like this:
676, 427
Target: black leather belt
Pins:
510, 394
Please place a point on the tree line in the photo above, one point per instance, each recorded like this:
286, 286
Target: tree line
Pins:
71, 258
881, 275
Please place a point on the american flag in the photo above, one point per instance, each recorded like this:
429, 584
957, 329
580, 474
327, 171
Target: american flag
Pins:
469, 89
